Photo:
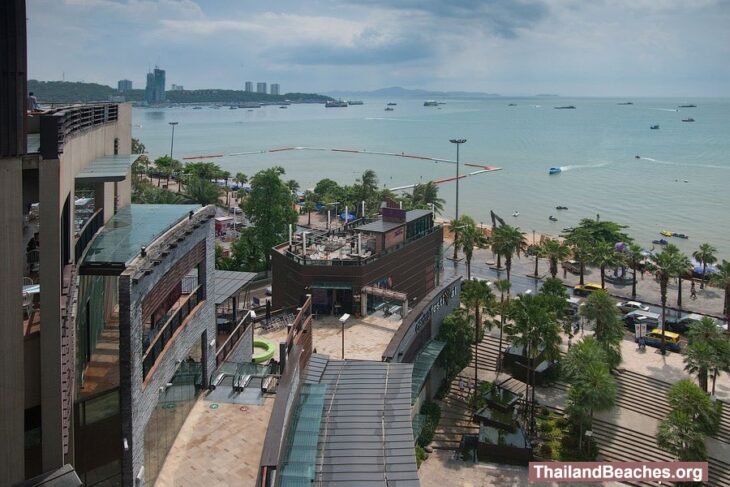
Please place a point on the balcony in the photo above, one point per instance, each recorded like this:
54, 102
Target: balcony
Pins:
58, 124
166, 332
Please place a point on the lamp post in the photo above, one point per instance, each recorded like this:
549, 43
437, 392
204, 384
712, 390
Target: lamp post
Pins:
172, 139
458, 142
343, 320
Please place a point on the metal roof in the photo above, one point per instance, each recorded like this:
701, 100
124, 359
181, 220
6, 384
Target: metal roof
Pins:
379, 226
416, 214
106, 169
230, 283
366, 435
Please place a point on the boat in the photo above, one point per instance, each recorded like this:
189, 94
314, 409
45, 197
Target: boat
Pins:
654, 127
391, 104
233, 108
567, 107
561, 207
625, 103
688, 106
552, 218
250, 104
512, 105
354, 102
554, 170
516, 213
637, 157
197, 108
389, 109
666, 233
335, 104
430, 103
680, 235
688, 119
661, 241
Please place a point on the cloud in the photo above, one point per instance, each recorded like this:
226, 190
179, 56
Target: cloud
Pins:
503, 18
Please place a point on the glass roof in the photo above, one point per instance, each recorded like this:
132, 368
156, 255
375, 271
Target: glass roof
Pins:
106, 169
132, 228
422, 366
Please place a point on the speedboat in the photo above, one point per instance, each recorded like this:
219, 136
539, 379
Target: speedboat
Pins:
516, 213
688, 106
391, 104
688, 119
654, 127
430, 103
388, 109
512, 105
661, 241
666, 233
561, 207
554, 170
637, 157
552, 218
567, 107
680, 235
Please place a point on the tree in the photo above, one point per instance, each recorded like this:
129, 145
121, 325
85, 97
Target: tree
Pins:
202, 191
176, 171
684, 269
538, 252
456, 333
423, 196
721, 279
555, 251
707, 351
240, 178
600, 308
586, 351
705, 255
693, 416
203, 170
503, 286
603, 255
468, 238
293, 185
163, 166
269, 207
666, 266
310, 204
477, 295
581, 242
138, 147
592, 390
512, 242
633, 255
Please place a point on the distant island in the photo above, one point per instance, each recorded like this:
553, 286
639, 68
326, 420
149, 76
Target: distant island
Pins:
71, 92
399, 92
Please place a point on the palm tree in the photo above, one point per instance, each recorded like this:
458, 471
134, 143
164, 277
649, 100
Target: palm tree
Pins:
513, 242
163, 166
721, 279
593, 390
310, 204
633, 255
176, 170
705, 255
555, 251
603, 255
477, 295
469, 238
707, 351
581, 242
503, 286
684, 268
666, 266
537, 251
600, 308
425, 195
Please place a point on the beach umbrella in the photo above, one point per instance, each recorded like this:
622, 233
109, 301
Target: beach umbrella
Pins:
347, 216
711, 269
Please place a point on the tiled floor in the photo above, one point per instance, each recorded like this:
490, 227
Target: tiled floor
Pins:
102, 373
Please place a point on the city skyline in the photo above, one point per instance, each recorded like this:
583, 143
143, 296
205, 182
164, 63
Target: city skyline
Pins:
526, 47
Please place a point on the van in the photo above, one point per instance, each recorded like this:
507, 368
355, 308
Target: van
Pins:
639, 316
654, 339
680, 324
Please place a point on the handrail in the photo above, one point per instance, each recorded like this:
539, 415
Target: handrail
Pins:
159, 343
86, 235
61, 123
222, 353
361, 261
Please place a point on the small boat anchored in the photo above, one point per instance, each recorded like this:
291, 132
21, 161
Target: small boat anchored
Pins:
552, 218
661, 241
561, 207
654, 127
688, 119
554, 170
516, 214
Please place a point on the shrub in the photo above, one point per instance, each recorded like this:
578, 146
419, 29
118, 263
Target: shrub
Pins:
546, 451
420, 456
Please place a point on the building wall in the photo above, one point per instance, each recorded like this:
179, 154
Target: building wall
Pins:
139, 397
244, 350
411, 270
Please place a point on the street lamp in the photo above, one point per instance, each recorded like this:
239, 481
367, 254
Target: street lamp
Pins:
343, 320
458, 142
172, 140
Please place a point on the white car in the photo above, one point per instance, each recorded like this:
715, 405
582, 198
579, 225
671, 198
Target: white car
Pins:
628, 306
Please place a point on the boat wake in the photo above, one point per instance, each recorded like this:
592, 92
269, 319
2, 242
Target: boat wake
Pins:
582, 166
665, 109
672, 163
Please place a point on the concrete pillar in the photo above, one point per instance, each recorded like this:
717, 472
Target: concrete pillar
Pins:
404, 309
12, 378
363, 304
50, 299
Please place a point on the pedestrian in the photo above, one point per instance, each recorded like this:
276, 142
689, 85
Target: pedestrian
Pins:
693, 291
32, 102
461, 384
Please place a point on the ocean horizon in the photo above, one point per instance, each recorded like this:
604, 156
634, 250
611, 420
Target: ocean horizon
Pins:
678, 182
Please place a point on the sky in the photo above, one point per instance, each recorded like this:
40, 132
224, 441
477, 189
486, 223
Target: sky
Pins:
510, 47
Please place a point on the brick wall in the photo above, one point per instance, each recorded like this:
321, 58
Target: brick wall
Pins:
138, 397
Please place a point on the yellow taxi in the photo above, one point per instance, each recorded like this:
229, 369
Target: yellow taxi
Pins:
586, 289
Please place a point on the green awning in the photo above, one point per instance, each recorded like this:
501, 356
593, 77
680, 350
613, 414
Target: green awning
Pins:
423, 365
106, 169
331, 285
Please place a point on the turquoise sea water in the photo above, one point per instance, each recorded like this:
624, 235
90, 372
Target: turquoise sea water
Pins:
595, 144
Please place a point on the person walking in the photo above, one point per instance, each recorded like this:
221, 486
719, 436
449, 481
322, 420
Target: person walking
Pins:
693, 291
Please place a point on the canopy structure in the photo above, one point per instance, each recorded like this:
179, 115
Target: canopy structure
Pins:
107, 169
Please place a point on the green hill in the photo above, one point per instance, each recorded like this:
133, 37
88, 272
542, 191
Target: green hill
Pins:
69, 92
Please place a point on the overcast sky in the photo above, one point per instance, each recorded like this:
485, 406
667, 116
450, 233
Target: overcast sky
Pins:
511, 47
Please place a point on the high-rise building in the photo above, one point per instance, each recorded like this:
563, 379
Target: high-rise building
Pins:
175, 87
249, 87
261, 87
274, 88
155, 89
124, 85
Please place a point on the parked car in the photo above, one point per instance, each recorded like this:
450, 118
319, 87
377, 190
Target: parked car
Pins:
571, 266
586, 289
575, 305
680, 324
652, 319
654, 339
629, 306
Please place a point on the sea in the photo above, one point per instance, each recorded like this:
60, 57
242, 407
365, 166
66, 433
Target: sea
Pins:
679, 182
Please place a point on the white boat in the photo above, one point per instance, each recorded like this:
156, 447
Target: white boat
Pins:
430, 103
516, 213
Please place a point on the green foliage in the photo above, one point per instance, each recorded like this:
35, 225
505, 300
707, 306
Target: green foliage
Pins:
467, 238
432, 413
203, 191
424, 195
707, 352
693, 416
476, 400
555, 251
534, 326
145, 192
456, 332
600, 308
420, 456
138, 147
478, 296
508, 241
269, 207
